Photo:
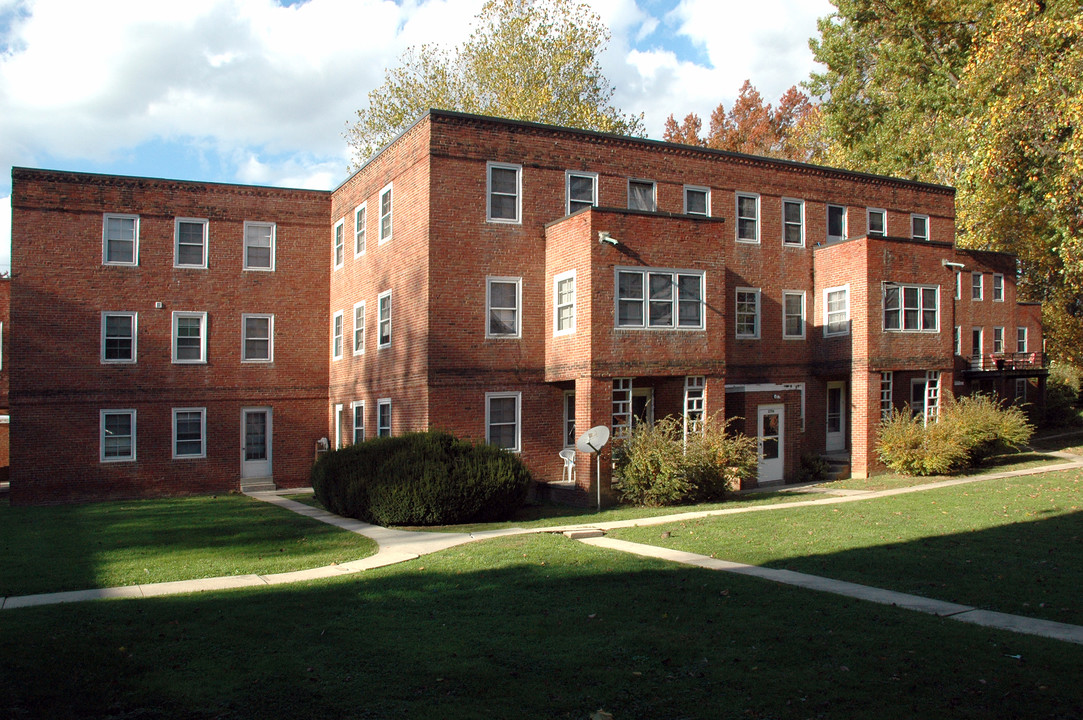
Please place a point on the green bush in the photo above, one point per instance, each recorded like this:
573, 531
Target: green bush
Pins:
1062, 396
429, 478
970, 430
656, 465
813, 469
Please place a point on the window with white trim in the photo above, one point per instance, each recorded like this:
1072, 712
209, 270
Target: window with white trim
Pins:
793, 314
359, 328
697, 200
257, 341
919, 227
976, 344
357, 410
837, 311
339, 440
383, 417
360, 222
504, 191
259, 246
748, 218
385, 214
189, 433
957, 344
887, 379
119, 333
836, 222
339, 243
877, 222
383, 309
977, 286
695, 388
958, 285
336, 335
502, 419
998, 340
116, 436
622, 407
1021, 339
793, 222
747, 313
581, 190
503, 298
564, 303
569, 418
641, 195
120, 239
998, 288
190, 243
911, 308
189, 337
659, 299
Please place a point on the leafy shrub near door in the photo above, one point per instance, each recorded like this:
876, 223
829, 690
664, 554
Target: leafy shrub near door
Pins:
429, 478
657, 465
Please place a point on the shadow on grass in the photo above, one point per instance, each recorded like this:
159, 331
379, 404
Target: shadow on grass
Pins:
532, 626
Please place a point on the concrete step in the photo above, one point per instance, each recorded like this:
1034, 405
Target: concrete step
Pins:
258, 485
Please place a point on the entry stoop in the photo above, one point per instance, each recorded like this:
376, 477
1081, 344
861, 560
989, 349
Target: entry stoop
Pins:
562, 493
251, 485
838, 465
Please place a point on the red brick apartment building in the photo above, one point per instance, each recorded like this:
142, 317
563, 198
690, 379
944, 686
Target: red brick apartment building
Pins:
506, 281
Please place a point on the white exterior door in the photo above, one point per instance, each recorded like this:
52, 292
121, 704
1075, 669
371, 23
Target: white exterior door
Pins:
836, 416
770, 420
256, 442
643, 405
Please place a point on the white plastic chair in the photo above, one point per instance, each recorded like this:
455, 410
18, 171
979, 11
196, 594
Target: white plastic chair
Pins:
568, 456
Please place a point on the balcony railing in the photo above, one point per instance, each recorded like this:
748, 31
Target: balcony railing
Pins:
1007, 361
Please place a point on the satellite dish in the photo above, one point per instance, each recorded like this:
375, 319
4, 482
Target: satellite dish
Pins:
593, 440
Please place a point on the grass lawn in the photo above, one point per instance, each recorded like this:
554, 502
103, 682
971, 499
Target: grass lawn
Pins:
78, 547
1013, 545
524, 627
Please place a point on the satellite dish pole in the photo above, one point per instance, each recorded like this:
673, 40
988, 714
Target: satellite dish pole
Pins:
592, 441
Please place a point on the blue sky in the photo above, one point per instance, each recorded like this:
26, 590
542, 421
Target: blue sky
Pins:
259, 91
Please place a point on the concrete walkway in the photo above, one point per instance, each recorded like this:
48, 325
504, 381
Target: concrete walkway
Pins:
396, 546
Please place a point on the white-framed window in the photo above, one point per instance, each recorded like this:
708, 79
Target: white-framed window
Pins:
793, 222
581, 190
504, 192
957, 341
385, 213
911, 308
383, 308
120, 239
357, 411
259, 246
503, 299
919, 227
977, 286
659, 299
977, 347
569, 418
359, 328
257, 338
189, 337
383, 417
1021, 339
339, 441
887, 379
1021, 389
336, 335
793, 314
998, 340
836, 222
119, 333
564, 303
641, 195
116, 436
695, 388
998, 288
837, 311
360, 227
747, 313
340, 243
697, 200
958, 285
190, 243
877, 222
502, 419
622, 407
748, 218
189, 433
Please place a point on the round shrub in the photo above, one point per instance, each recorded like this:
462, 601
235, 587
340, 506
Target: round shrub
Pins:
429, 478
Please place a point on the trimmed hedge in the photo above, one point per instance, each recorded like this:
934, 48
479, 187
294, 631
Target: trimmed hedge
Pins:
425, 478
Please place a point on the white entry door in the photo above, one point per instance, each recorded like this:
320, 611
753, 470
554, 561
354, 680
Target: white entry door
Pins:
770, 420
256, 442
643, 405
836, 416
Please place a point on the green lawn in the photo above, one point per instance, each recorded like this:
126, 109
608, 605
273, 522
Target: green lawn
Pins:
1013, 545
78, 547
524, 627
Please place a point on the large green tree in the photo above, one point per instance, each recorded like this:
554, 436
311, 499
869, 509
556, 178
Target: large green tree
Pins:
525, 59
984, 95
